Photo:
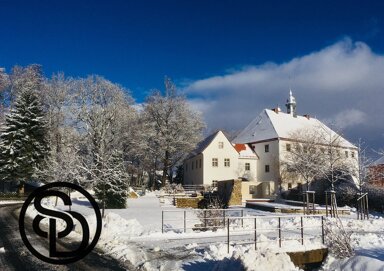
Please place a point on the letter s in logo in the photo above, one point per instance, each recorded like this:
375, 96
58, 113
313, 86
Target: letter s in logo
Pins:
59, 257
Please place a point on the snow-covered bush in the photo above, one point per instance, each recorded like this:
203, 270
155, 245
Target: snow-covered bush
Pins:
337, 239
170, 188
212, 216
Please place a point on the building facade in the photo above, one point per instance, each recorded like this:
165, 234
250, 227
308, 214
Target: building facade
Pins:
267, 140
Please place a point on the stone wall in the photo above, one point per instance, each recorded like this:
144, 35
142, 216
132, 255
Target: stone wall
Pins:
229, 192
188, 202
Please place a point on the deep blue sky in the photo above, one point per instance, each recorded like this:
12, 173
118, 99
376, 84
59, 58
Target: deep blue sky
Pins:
137, 43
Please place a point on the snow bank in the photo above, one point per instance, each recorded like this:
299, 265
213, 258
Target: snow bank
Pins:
246, 257
355, 263
6, 202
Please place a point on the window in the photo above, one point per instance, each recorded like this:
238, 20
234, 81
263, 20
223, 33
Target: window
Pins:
266, 168
221, 145
196, 164
346, 154
288, 146
215, 162
353, 154
266, 148
186, 167
200, 163
289, 185
322, 150
247, 166
226, 162
305, 149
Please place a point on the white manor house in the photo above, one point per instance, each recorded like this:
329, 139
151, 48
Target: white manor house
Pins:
257, 152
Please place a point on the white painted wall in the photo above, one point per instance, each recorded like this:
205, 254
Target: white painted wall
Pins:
213, 151
193, 174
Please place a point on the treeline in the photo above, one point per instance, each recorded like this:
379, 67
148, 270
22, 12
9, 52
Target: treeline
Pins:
90, 131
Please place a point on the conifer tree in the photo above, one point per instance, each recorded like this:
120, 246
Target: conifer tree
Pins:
111, 181
23, 144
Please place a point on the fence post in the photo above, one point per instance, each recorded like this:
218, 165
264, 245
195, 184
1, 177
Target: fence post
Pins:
302, 230
185, 221
205, 218
322, 229
255, 235
242, 218
162, 221
326, 204
279, 231
228, 236
224, 217
366, 200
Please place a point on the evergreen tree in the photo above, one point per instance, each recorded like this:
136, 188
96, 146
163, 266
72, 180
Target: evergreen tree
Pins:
23, 143
111, 181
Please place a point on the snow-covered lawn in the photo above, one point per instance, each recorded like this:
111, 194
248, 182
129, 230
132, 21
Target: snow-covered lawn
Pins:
134, 234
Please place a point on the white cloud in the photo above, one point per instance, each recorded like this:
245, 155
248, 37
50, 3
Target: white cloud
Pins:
343, 83
349, 118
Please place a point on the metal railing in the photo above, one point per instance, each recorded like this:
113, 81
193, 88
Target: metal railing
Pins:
242, 229
251, 235
198, 219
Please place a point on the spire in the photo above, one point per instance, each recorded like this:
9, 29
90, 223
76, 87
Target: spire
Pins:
291, 104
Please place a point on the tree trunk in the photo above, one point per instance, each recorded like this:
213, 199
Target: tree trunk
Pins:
165, 168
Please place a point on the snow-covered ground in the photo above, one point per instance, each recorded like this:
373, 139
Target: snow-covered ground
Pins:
134, 234
6, 202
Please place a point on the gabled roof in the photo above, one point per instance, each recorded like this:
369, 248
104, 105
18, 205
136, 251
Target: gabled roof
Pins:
202, 145
379, 161
272, 125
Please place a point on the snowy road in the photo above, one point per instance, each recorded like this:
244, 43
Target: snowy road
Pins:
15, 256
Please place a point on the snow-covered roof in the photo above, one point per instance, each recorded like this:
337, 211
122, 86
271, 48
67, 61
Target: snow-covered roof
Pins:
202, 145
270, 125
379, 161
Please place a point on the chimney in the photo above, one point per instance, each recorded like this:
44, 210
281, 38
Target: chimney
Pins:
276, 110
307, 116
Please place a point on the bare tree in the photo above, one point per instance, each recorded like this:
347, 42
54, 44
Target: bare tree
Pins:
175, 126
101, 108
56, 99
360, 169
30, 77
4, 84
301, 160
336, 164
103, 111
